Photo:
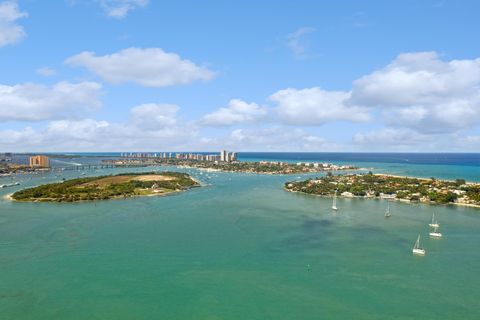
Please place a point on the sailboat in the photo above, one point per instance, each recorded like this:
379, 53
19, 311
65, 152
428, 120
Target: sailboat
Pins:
417, 250
434, 223
435, 233
334, 204
387, 212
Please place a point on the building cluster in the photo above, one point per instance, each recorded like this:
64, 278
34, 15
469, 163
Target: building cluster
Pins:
224, 156
5, 157
39, 162
326, 166
228, 156
278, 163
147, 155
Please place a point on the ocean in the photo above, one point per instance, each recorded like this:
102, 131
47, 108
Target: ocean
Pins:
241, 247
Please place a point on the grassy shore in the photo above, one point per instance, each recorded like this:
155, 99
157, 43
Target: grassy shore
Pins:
108, 187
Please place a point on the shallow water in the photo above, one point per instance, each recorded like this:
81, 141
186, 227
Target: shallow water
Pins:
238, 248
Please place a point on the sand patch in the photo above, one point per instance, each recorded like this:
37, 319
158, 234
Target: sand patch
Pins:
122, 179
154, 177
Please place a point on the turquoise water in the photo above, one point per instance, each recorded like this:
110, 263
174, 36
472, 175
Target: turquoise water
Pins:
238, 248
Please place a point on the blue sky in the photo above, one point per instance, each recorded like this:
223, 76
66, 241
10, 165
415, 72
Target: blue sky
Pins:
115, 75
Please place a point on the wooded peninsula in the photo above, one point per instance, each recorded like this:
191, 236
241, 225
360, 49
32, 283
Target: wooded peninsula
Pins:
391, 187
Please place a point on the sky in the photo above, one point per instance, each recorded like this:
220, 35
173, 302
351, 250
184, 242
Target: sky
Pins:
178, 75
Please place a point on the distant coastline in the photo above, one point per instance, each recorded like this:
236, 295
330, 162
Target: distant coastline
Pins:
258, 167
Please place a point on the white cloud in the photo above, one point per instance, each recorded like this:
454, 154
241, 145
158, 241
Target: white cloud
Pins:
13, 138
46, 71
401, 139
469, 143
150, 67
296, 43
154, 116
34, 102
90, 134
423, 92
314, 106
10, 32
275, 138
150, 127
236, 112
120, 8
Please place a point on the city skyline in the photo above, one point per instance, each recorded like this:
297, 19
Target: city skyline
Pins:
271, 76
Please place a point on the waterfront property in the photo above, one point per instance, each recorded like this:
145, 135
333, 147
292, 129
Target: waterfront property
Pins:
391, 187
224, 156
261, 167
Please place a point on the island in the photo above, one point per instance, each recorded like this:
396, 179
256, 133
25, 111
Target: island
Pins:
108, 187
406, 189
259, 167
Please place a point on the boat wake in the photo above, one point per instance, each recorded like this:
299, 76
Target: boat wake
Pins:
66, 162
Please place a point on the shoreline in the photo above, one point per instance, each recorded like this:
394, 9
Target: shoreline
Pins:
9, 197
388, 199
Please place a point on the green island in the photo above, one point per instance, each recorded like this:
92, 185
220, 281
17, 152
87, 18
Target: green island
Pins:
259, 167
391, 187
108, 187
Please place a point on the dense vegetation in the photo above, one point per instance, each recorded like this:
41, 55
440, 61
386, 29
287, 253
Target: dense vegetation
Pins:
91, 188
370, 185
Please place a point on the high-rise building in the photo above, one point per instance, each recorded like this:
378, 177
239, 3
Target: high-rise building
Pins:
223, 155
39, 162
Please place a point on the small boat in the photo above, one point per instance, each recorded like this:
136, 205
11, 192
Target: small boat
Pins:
387, 212
417, 250
435, 233
334, 204
434, 223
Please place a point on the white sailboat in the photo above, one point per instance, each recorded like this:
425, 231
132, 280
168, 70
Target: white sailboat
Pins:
334, 204
434, 223
417, 250
387, 212
435, 233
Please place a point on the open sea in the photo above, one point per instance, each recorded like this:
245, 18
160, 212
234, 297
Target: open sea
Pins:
241, 247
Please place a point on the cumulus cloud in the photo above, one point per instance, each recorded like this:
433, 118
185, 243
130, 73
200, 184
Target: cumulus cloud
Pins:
10, 31
120, 8
403, 139
423, 92
90, 134
151, 67
154, 116
277, 138
236, 112
314, 106
295, 41
34, 102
